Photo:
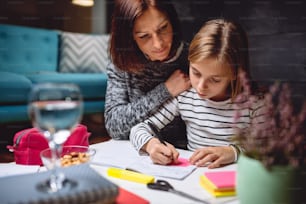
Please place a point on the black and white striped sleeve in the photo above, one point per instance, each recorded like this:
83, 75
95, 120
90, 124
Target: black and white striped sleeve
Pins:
141, 133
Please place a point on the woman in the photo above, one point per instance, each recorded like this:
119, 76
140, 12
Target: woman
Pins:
149, 66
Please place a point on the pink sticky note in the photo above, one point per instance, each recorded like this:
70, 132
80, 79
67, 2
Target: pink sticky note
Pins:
222, 179
180, 162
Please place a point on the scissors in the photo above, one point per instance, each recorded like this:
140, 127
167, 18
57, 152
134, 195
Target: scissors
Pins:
163, 185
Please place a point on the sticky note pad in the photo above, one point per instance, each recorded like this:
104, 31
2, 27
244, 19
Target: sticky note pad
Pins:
219, 183
222, 179
130, 175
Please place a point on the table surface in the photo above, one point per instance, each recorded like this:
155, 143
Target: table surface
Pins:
189, 185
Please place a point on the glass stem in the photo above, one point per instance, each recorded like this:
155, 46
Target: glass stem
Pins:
57, 177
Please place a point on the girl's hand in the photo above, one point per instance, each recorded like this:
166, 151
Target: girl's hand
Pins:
160, 153
213, 157
177, 83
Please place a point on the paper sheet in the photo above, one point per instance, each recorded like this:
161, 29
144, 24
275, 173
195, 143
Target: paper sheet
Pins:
114, 153
145, 165
119, 154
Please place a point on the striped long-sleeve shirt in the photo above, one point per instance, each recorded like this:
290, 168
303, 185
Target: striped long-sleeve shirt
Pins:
132, 98
208, 123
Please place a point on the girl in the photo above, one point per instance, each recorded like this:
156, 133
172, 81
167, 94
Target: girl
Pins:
149, 66
218, 52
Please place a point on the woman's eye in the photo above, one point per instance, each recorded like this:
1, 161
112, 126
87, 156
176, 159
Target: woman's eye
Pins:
163, 28
144, 36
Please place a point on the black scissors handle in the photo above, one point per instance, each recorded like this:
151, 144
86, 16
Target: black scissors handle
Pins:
160, 185
163, 185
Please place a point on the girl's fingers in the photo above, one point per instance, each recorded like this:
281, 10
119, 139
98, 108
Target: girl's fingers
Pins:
198, 154
205, 160
160, 158
174, 152
194, 157
170, 152
164, 154
215, 164
175, 156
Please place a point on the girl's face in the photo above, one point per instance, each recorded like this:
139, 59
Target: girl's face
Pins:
153, 34
210, 79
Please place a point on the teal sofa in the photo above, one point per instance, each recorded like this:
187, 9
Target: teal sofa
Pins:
32, 55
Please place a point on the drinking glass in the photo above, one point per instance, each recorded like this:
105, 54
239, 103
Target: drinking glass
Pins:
55, 109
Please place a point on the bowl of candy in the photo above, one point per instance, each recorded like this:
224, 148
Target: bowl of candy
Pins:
71, 155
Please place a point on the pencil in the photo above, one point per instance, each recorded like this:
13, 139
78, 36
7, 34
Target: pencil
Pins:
157, 133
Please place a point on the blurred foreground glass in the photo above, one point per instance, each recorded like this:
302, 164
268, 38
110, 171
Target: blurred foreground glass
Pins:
55, 109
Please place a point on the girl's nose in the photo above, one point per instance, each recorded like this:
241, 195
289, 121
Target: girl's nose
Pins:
202, 84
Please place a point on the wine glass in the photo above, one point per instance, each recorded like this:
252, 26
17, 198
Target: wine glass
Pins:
55, 109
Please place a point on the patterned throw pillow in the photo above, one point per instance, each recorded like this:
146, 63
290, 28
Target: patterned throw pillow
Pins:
81, 53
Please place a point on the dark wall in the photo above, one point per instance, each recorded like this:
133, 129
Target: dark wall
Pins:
276, 30
52, 14
257, 17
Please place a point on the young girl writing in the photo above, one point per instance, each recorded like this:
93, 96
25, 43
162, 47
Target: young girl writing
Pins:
218, 52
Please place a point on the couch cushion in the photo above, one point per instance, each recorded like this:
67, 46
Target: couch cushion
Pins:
92, 85
14, 88
25, 49
9, 113
83, 52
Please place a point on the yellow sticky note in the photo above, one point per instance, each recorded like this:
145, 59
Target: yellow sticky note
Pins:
130, 175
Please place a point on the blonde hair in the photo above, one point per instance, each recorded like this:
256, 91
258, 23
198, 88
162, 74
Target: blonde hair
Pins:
226, 42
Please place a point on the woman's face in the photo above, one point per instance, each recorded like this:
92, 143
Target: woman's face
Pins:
153, 34
210, 79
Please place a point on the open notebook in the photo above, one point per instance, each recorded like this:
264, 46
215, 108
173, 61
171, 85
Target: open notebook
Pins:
124, 156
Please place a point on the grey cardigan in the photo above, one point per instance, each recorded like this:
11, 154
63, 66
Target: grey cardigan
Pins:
132, 98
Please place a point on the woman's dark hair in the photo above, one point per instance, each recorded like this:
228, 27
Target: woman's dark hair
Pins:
124, 51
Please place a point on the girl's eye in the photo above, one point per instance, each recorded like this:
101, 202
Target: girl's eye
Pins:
195, 73
215, 80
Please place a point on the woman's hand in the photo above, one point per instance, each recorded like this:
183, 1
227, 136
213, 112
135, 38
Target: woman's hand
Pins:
213, 157
160, 153
177, 83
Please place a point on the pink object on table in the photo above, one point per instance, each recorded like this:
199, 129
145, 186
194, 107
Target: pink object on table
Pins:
222, 179
181, 162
